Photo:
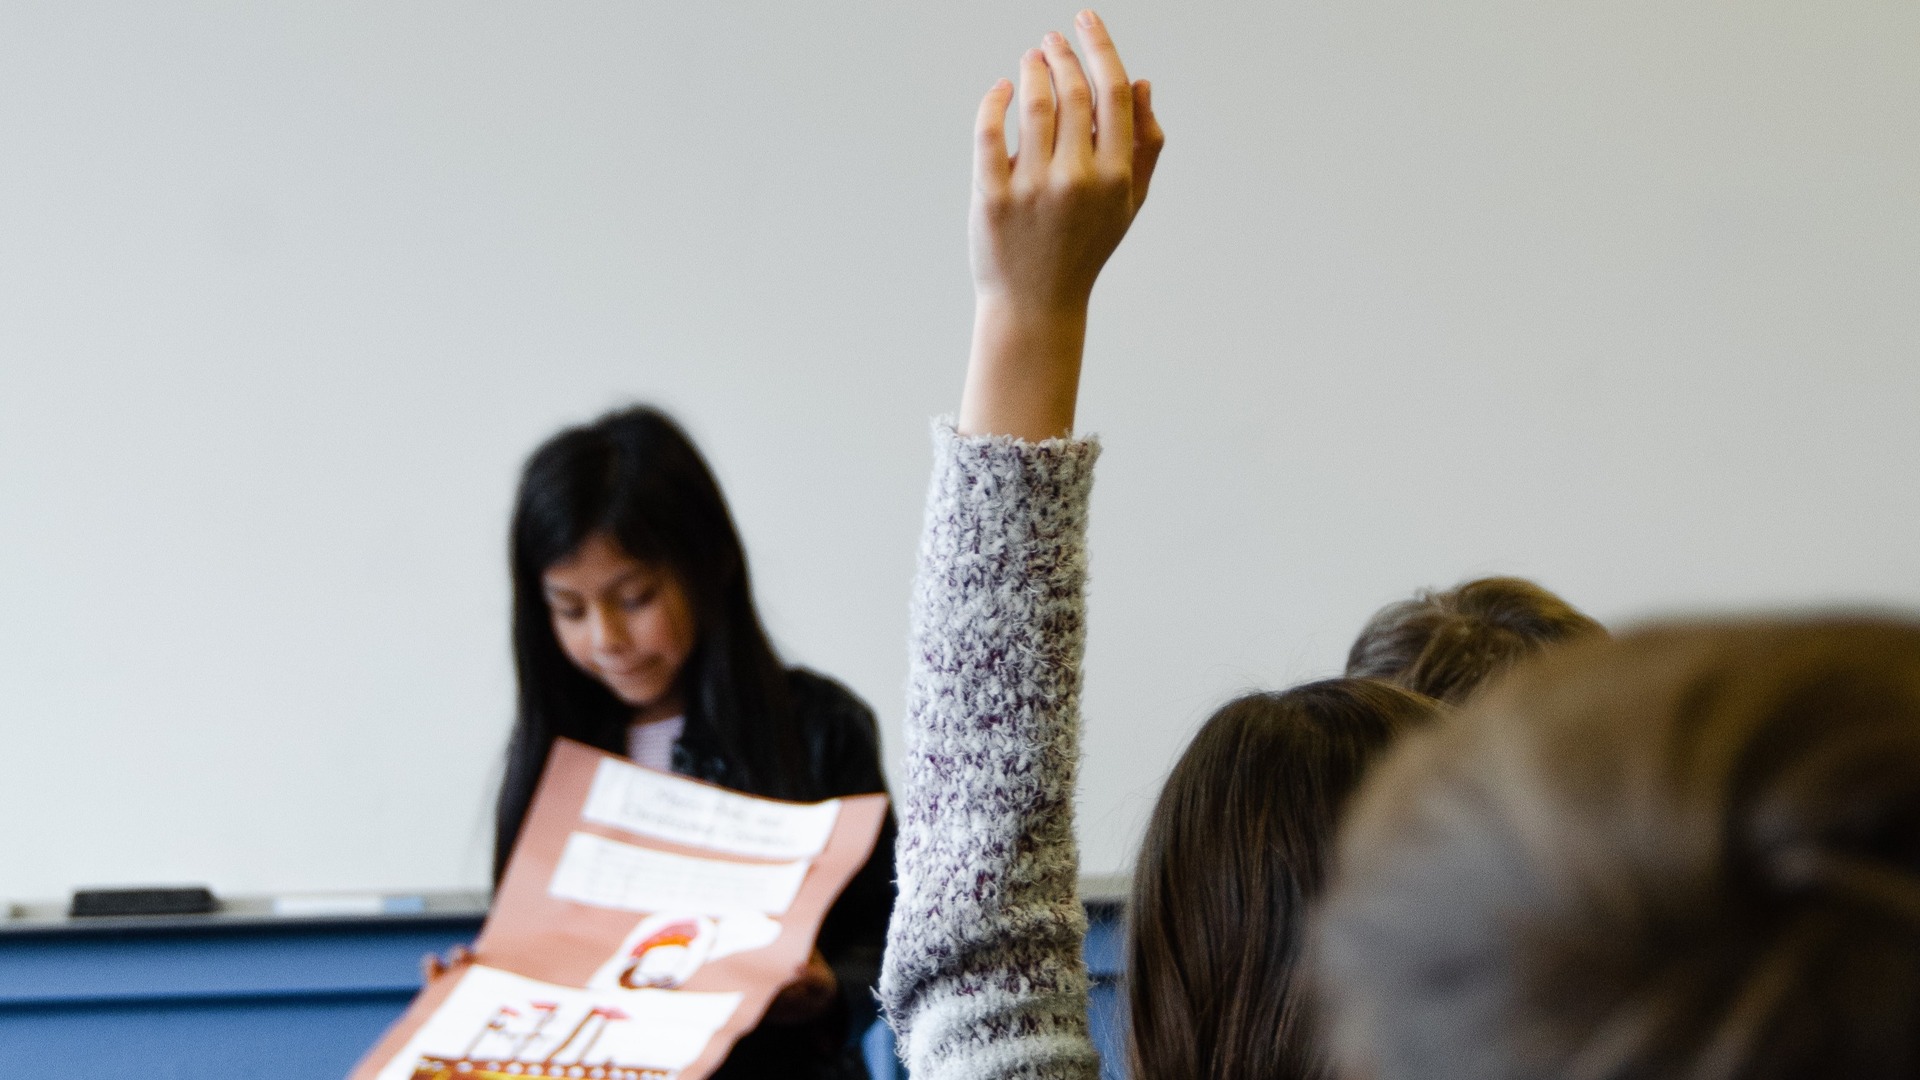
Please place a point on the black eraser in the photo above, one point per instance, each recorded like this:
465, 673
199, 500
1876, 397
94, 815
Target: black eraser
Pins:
190, 900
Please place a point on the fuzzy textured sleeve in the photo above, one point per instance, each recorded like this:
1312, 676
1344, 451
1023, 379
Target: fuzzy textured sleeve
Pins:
984, 977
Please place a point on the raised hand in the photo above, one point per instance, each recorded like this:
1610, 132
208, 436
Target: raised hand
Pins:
1044, 222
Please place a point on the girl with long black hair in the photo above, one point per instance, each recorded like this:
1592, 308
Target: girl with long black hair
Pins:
634, 631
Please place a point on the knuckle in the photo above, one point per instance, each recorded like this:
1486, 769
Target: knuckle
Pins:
1037, 195
1079, 191
1077, 95
1112, 184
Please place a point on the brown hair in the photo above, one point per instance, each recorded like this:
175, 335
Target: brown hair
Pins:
1445, 644
1694, 853
1234, 849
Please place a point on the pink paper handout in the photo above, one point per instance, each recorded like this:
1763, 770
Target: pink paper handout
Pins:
644, 924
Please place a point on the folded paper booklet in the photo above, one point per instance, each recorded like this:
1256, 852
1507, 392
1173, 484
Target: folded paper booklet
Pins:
644, 924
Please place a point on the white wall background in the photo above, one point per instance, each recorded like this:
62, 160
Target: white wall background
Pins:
1618, 294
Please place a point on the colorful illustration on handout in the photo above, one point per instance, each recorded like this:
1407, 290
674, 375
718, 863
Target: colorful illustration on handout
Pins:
663, 951
667, 954
500, 1026
564, 1060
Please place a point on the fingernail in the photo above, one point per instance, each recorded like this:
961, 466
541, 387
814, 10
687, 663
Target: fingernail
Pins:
1086, 18
1054, 39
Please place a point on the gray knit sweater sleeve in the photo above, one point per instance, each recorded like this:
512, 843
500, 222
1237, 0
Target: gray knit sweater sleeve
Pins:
984, 977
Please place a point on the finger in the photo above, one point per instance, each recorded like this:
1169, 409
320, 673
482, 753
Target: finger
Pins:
1112, 93
1147, 141
1073, 127
991, 166
1036, 116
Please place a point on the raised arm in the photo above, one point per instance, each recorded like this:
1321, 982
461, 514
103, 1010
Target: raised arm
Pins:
983, 975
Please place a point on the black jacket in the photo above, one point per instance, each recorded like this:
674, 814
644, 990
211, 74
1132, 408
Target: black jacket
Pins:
842, 744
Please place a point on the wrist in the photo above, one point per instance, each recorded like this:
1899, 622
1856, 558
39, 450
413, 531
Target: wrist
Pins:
1024, 374
1030, 312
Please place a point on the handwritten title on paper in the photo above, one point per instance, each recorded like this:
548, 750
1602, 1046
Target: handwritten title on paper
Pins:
668, 808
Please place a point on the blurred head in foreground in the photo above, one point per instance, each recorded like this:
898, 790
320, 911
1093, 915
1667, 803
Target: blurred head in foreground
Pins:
1445, 644
1692, 853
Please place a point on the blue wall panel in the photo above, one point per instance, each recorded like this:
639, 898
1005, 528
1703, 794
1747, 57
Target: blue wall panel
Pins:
286, 999
309, 1038
209, 1000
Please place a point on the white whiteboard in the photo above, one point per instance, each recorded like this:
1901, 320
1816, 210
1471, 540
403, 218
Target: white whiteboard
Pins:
1618, 295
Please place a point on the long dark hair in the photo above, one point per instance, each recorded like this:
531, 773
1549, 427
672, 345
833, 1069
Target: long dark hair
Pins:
1692, 853
636, 476
1235, 849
